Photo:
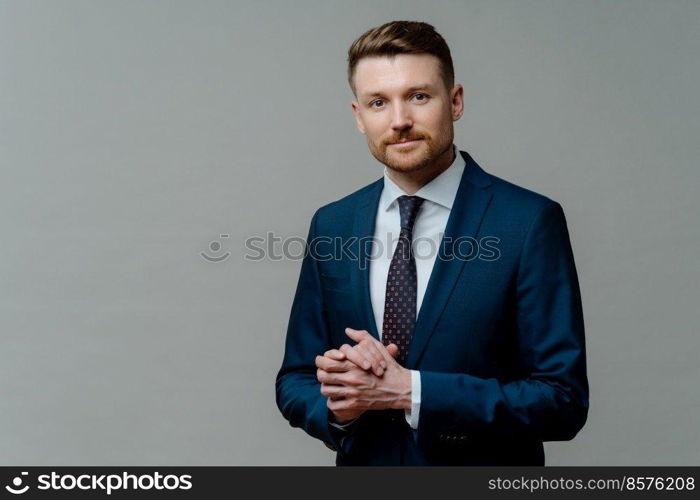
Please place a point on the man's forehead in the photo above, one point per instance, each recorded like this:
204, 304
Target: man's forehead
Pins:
404, 72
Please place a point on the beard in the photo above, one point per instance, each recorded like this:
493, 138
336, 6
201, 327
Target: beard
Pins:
412, 158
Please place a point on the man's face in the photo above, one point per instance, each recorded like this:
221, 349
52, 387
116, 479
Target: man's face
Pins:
401, 99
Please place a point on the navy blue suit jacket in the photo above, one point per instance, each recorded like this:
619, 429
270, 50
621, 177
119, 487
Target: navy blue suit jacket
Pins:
499, 338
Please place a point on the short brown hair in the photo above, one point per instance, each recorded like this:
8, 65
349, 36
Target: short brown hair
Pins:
401, 37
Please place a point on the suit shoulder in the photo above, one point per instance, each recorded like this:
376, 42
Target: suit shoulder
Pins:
514, 199
520, 199
345, 206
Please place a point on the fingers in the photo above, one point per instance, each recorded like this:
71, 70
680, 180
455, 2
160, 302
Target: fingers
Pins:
356, 356
338, 360
355, 378
330, 378
371, 350
393, 350
339, 392
361, 336
368, 354
378, 354
331, 365
357, 335
372, 353
335, 354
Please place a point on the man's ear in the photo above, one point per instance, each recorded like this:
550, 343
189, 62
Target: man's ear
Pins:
358, 121
457, 102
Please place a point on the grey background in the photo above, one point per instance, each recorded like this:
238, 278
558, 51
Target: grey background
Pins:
133, 134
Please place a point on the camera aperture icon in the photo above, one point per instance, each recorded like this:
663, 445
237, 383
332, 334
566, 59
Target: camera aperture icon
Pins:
215, 247
17, 482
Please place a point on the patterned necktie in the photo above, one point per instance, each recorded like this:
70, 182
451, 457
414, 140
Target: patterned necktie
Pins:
401, 287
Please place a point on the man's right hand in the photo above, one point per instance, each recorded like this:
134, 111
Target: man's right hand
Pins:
335, 360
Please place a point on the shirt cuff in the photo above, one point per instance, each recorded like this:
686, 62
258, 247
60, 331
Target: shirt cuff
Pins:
344, 426
413, 414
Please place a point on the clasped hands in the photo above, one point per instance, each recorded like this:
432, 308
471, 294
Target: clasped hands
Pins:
363, 377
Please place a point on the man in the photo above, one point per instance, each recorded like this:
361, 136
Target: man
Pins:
471, 354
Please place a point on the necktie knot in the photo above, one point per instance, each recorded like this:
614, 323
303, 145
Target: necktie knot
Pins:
408, 207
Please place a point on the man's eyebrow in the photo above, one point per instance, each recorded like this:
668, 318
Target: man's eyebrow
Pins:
413, 88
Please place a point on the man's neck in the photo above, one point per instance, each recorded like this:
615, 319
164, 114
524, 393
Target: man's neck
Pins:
411, 182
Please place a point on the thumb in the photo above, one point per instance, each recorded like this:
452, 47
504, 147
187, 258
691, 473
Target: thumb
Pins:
393, 350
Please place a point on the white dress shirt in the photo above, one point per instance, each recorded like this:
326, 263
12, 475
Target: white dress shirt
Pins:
428, 229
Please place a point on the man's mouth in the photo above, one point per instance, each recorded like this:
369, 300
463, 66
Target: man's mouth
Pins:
405, 142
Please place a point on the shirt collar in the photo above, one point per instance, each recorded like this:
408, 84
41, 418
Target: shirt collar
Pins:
441, 190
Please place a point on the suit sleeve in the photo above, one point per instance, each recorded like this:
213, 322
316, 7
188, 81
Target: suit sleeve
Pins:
298, 391
551, 403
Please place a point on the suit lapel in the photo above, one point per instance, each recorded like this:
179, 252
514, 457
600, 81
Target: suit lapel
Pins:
363, 230
465, 217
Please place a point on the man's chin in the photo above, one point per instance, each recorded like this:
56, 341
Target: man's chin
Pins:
405, 166
404, 169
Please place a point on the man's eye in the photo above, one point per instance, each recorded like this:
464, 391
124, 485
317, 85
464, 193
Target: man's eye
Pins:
372, 104
424, 96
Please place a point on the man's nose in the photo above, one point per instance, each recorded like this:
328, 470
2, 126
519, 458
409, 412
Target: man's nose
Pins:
401, 118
